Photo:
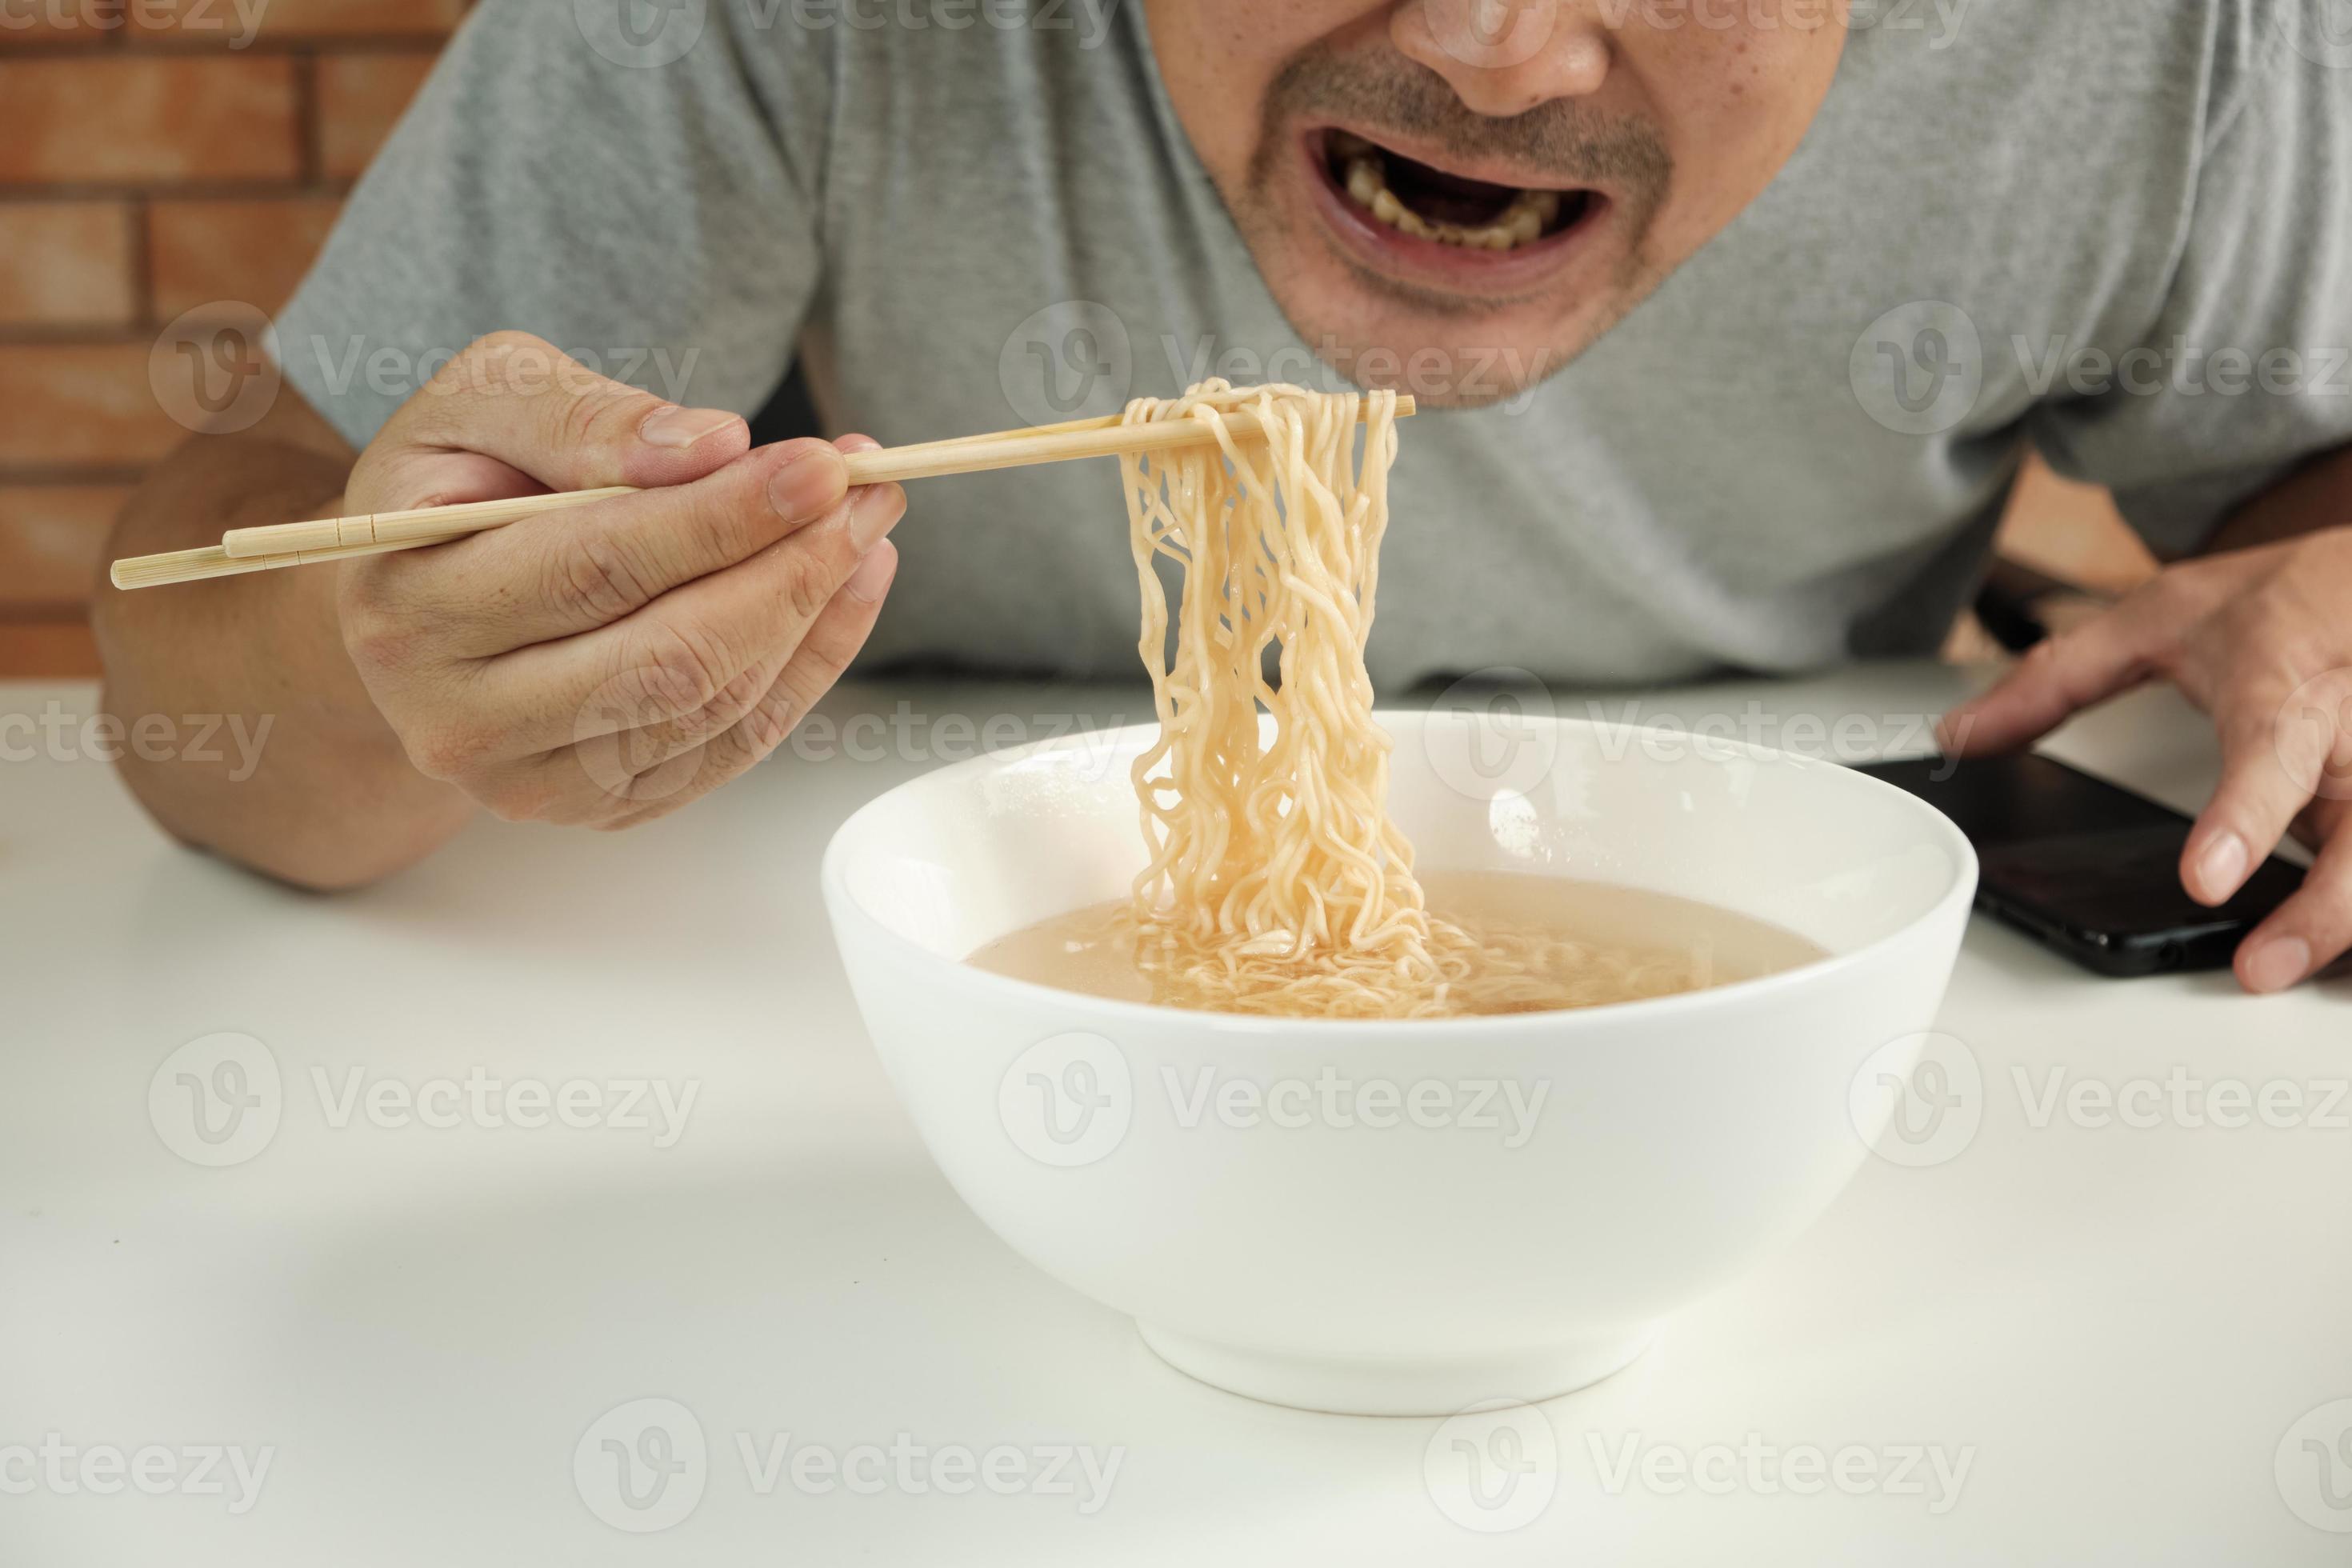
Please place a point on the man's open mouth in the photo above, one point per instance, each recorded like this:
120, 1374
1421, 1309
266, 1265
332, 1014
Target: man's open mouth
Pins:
1445, 208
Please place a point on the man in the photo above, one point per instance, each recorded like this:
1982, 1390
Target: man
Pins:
1734, 318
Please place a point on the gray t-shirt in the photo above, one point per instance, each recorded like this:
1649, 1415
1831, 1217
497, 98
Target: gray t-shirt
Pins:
2116, 229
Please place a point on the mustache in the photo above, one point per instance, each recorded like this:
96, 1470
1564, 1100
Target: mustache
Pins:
1559, 140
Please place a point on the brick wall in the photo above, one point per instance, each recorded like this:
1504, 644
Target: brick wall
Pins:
155, 156
159, 155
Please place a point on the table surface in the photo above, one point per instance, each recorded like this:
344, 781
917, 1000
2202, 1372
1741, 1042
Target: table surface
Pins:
2132, 1337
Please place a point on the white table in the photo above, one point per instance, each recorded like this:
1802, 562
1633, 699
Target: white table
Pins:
2116, 1326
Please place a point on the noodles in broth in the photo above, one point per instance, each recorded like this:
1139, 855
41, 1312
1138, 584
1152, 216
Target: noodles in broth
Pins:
1275, 882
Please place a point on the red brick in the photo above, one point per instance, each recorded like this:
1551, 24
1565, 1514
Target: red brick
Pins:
47, 650
52, 538
253, 251
360, 97
152, 118
284, 19
64, 264
81, 403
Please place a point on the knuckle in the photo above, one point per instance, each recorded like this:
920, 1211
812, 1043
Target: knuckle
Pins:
595, 414
515, 801
480, 364
810, 579
446, 751
592, 579
738, 696
492, 352
373, 638
771, 722
685, 668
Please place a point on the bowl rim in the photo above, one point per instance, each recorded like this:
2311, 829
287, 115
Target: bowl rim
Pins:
842, 906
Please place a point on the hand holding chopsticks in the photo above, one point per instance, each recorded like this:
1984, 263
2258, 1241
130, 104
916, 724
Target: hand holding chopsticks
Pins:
275, 545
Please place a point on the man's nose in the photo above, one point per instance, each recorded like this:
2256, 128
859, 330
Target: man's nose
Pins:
1505, 56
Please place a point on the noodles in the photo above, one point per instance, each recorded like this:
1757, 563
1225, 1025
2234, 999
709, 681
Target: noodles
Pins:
1275, 882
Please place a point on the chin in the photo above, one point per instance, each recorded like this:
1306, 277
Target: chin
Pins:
1456, 283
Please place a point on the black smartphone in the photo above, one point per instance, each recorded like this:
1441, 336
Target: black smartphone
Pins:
2087, 866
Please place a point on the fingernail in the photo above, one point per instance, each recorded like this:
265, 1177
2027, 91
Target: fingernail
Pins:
682, 426
808, 481
2223, 866
2278, 963
872, 578
876, 513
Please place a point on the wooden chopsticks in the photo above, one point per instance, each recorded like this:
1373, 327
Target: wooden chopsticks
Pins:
267, 547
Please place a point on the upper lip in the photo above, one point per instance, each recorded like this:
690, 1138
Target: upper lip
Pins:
1493, 171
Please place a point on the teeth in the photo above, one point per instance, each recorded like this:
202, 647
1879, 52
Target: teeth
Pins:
1521, 223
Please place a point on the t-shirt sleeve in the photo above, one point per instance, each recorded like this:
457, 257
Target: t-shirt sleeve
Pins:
641, 185
2245, 372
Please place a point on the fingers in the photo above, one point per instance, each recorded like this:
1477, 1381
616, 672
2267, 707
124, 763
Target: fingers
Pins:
2312, 929
685, 649
634, 775
574, 570
2061, 676
2267, 780
529, 404
821, 659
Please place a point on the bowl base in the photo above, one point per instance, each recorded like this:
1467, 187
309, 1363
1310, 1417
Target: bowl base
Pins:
1380, 1386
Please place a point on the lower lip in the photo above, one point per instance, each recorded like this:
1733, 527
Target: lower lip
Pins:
1455, 268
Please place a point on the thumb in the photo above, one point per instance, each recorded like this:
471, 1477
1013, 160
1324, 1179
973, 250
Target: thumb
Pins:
526, 404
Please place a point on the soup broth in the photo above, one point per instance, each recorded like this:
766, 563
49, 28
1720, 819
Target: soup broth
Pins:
1572, 944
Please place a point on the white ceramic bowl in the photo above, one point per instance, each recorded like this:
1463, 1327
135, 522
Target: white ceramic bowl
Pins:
1407, 1217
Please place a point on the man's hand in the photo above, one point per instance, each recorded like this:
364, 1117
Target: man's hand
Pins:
607, 663
2260, 640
